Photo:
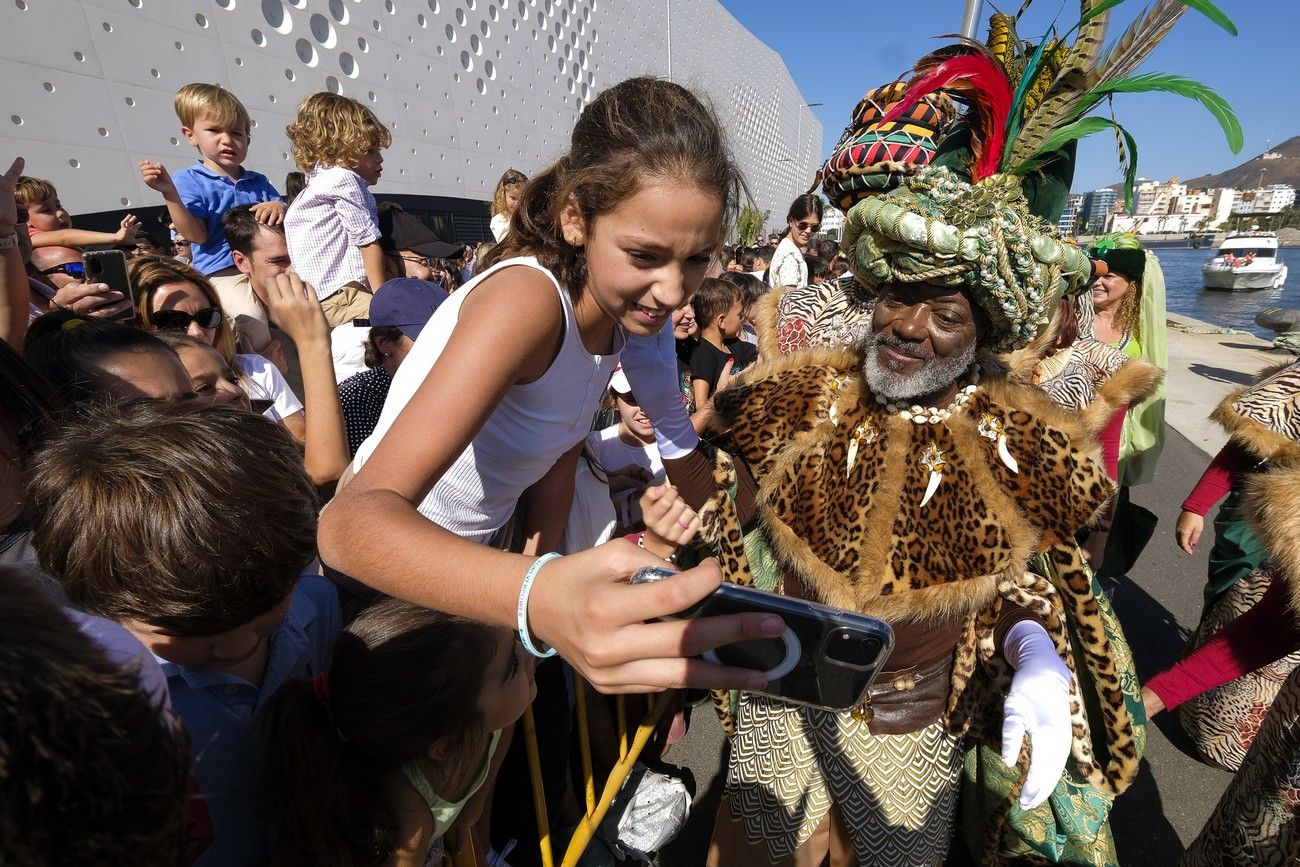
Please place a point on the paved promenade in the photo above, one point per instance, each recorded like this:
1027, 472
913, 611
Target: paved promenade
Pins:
1159, 605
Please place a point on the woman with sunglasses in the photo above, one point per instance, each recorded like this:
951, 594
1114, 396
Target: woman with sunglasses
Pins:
172, 296
788, 267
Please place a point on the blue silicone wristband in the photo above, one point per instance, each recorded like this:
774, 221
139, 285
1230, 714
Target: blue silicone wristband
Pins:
521, 612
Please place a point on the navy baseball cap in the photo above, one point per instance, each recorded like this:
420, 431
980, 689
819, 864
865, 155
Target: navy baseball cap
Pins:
406, 303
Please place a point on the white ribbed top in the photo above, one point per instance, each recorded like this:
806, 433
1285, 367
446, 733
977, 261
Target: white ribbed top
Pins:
528, 431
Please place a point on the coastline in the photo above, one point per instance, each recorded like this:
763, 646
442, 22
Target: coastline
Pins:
1205, 365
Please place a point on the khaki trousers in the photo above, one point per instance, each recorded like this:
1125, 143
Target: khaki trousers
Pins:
351, 301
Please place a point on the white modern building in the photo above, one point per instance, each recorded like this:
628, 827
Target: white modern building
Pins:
1264, 200
469, 87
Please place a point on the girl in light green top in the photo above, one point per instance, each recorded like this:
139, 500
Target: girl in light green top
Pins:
374, 760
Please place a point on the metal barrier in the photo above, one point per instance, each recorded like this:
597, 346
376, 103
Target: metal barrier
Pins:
594, 810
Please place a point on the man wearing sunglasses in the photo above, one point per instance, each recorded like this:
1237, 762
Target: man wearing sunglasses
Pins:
58, 280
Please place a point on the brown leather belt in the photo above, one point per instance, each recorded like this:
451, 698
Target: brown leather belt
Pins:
908, 700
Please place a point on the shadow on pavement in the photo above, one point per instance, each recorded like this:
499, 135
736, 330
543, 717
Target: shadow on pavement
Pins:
1221, 374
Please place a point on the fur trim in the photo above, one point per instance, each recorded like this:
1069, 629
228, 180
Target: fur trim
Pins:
1263, 443
1020, 363
1272, 505
1133, 383
765, 321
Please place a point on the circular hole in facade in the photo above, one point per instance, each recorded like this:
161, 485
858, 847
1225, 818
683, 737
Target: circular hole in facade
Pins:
332, 84
16, 119
440, 51
375, 24
201, 20
490, 70
178, 46
433, 6
259, 38
466, 61
108, 28
271, 97
75, 163
290, 74
420, 20
130, 101
339, 11
322, 31
155, 73
481, 85
49, 86
451, 33
550, 42
370, 95
493, 12
363, 45
348, 64
79, 57
103, 133
174, 141
239, 61
485, 28
388, 7
475, 44
306, 52
22, 7
274, 14
460, 17
226, 4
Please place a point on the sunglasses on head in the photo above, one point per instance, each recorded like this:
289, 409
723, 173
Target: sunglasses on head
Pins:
72, 269
179, 320
512, 182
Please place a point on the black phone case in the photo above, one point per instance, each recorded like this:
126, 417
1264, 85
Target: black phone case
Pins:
109, 266
800, 665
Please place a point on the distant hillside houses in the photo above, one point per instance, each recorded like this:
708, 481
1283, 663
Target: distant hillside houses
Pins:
1171, 207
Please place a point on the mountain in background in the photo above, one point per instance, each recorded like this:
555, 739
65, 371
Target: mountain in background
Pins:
1282, 169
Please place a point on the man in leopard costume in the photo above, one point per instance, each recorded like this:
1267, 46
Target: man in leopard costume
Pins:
917, 478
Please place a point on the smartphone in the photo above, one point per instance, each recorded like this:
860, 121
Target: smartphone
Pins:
827, 657
109, 266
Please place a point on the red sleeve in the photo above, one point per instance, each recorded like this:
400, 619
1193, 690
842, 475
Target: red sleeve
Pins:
1109, 439
1231, 461
1264, 634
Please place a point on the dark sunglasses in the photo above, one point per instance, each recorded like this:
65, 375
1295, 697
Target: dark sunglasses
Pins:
807, 227
179, 320
72, 269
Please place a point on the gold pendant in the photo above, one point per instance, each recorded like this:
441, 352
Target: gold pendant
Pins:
992, 428
934, 461
834, 412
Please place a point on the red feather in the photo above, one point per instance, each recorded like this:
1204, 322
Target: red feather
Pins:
978, 80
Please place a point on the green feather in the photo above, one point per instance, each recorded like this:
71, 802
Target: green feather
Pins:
1216, 105
1212, 12
1082, 128
1018, 100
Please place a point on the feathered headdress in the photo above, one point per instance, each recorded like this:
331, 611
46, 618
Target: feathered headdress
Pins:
1026, 101
981, 215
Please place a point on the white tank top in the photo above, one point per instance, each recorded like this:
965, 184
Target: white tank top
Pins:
526, 434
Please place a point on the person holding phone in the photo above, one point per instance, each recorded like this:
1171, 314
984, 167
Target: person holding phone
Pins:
911, 478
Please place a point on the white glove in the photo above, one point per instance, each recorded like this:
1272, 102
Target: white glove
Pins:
1038, 705
650, 364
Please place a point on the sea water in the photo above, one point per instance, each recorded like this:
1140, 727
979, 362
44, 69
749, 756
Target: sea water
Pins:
1185, 292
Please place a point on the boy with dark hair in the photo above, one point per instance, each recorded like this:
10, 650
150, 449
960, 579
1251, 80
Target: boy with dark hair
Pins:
827, 250
719, 355
92, 773
190, 526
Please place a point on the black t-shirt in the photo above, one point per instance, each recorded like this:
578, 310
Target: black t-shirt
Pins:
708, 362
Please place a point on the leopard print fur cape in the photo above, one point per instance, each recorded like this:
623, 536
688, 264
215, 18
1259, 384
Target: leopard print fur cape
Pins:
857, 537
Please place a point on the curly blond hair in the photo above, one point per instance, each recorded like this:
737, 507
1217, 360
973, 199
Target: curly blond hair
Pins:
334, 130
511, 178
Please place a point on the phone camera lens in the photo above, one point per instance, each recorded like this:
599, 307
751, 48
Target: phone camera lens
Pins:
851, 648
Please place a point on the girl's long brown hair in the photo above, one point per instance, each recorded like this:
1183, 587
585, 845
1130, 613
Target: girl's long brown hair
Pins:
637, 130
402, 677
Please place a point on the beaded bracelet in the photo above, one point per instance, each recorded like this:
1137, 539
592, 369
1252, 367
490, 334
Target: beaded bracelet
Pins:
521, 612
640, 543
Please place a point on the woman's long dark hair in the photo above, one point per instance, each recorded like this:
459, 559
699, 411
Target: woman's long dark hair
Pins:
638, 129
27, 400
401, 678
65, 348
804, 206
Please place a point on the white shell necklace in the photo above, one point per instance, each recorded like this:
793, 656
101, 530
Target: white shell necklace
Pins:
918, 414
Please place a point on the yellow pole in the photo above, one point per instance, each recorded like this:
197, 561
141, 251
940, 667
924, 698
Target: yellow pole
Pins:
539, 795
584, 741
587, 824
620, 706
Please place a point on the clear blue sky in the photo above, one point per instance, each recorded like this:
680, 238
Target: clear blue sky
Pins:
837, 49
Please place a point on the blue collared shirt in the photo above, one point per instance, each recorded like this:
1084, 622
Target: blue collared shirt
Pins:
208, 195
223, 714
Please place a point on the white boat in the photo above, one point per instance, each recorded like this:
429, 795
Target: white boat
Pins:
1245, 261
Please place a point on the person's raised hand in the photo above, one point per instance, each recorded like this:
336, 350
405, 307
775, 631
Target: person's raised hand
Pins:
584, 607
728, 378
126, 233
269, 213
294, 307
8, 204
1188, 530
91, 299
669, 522
156, 177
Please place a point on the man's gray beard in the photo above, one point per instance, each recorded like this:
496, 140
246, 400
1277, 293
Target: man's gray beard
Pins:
935, 374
